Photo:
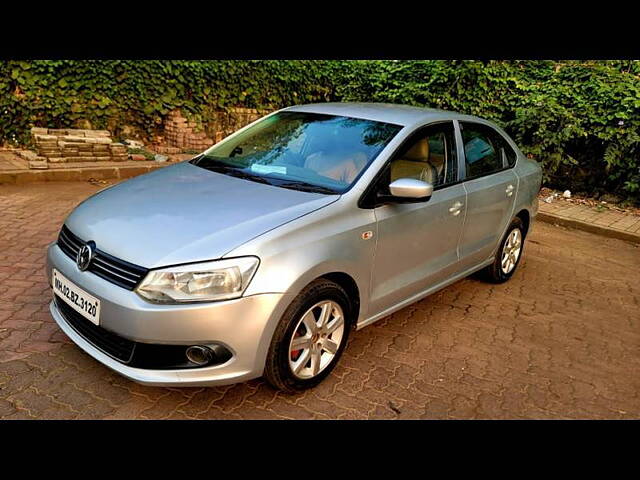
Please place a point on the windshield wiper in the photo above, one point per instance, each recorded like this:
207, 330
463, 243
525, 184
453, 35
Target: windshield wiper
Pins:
236, 172
306, 187
221, 167
247, 176
212, 164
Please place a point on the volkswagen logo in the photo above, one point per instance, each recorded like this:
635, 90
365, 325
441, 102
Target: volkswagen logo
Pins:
85, 255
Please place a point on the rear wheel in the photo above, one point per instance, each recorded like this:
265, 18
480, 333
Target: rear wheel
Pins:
310, 337
508, 255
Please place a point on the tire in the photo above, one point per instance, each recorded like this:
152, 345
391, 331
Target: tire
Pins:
308, 306
496, 273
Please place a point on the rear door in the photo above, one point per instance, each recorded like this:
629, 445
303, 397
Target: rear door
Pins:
491, 184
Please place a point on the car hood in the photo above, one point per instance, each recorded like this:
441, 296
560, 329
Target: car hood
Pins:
184, 213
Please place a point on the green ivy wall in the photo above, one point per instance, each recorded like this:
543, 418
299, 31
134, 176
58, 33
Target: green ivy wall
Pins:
581, 119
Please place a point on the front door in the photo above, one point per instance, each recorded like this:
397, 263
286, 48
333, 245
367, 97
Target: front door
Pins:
417, 242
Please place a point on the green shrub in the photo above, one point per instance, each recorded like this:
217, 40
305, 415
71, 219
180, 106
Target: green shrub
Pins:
580, 119
110, 94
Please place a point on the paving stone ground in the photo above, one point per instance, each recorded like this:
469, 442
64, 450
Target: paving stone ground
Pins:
610, 223
560, 340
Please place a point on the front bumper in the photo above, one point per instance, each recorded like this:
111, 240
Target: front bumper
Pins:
245, 326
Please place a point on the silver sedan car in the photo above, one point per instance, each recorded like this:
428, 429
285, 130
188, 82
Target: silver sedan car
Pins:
259, 256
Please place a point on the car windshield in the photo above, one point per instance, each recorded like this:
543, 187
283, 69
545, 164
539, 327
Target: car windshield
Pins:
303, 151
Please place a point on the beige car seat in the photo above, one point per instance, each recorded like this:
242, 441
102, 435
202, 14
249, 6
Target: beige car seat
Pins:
418, 164
333, 166
438, 163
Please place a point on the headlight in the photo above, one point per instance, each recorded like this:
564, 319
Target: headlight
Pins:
199, 282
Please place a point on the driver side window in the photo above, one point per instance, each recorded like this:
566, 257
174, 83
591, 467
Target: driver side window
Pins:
430, 156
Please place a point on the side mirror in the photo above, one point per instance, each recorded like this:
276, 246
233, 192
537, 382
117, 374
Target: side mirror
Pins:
409, 190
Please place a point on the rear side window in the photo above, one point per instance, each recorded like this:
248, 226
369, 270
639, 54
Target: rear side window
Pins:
486, 151
482, 150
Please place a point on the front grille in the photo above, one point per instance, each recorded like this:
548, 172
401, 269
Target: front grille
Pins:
121, 273
113, 345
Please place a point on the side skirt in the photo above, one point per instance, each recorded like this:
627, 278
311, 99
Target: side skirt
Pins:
423, 294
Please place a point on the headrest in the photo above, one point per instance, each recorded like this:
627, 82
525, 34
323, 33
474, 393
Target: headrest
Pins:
419, 152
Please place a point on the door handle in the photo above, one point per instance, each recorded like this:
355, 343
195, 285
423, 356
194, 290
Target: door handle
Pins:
509, 190
455, 208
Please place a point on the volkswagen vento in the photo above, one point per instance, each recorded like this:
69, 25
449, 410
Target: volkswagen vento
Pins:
259, 256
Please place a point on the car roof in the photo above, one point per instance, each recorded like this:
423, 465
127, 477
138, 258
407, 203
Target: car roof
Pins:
404, 115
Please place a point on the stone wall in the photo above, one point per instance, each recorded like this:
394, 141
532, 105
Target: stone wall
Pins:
181, 135
224, 123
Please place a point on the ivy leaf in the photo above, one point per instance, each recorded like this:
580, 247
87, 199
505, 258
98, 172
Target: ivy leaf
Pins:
104, 101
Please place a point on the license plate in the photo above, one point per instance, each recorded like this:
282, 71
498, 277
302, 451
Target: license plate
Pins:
86, 305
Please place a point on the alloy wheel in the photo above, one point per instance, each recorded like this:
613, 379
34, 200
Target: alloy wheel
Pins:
511, 251
316, 339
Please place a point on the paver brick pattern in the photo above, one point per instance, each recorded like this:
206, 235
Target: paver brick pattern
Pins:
560, 340
612, 219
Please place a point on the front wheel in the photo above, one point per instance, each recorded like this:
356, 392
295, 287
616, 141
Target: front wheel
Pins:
309, 338
508, 255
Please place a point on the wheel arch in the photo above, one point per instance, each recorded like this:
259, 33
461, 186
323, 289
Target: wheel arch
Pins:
525, 216
347, 280
350, 286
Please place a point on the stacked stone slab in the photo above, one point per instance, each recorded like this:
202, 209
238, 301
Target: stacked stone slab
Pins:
182, 134
76, 145
35, 161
